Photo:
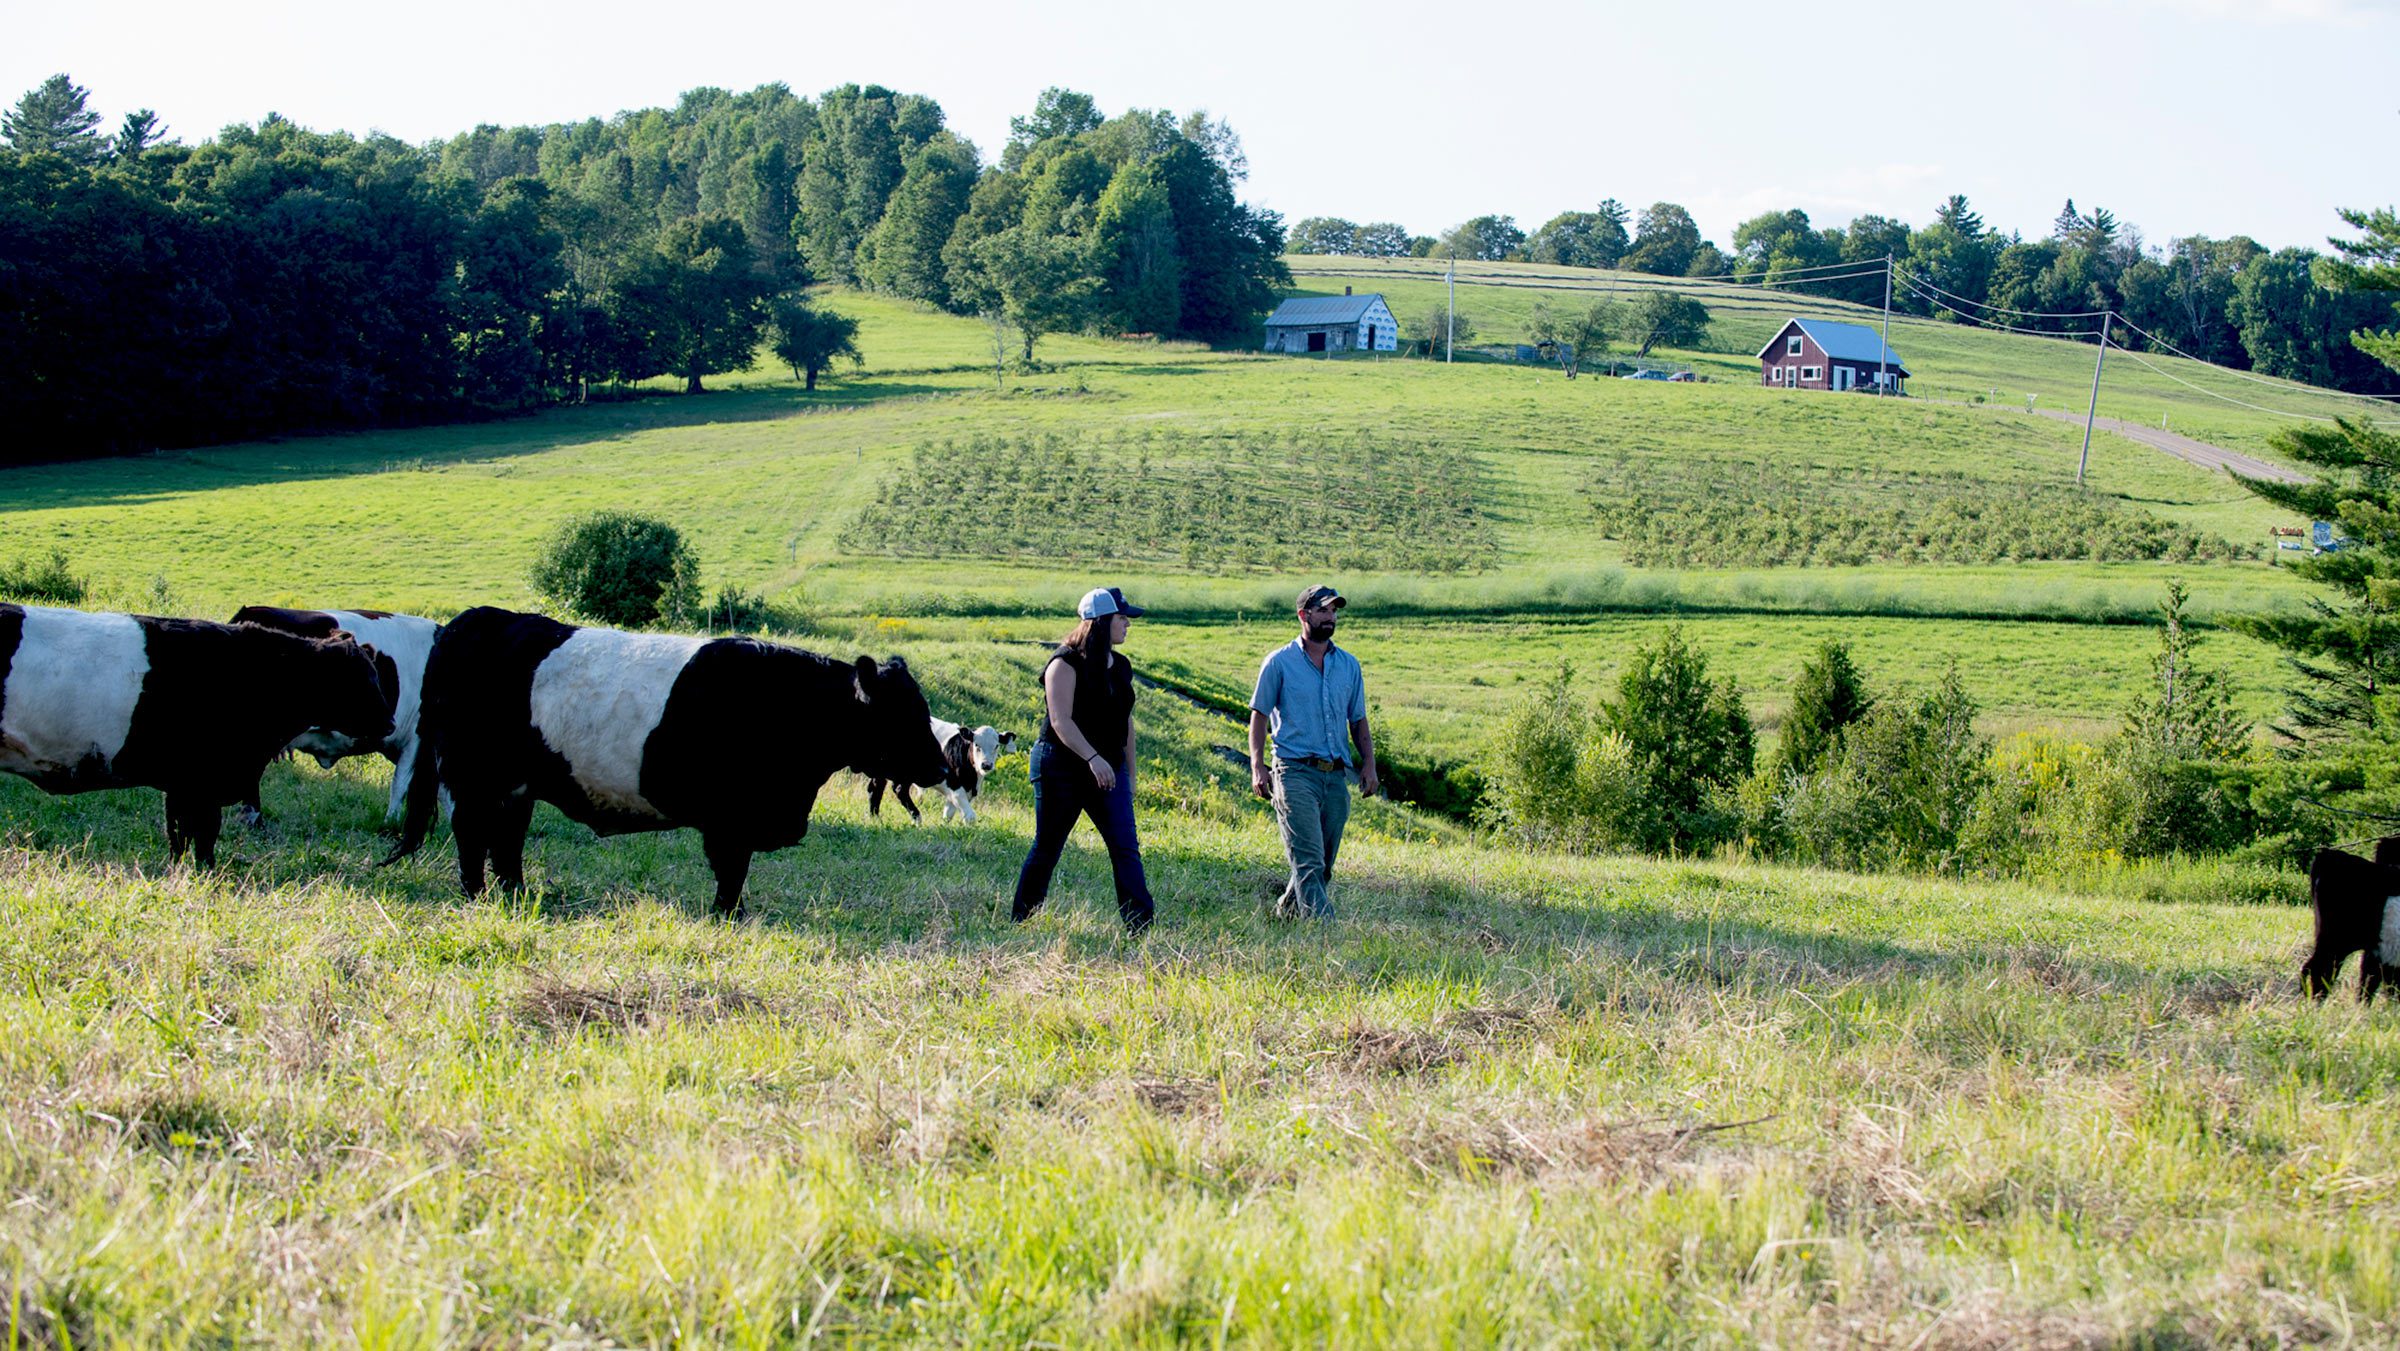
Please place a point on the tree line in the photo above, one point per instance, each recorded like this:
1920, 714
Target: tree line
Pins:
275, 279
2231, 301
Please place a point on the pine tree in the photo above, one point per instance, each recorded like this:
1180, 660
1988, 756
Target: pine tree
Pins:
2346, 649
1828, 698
2189, 712
53, 118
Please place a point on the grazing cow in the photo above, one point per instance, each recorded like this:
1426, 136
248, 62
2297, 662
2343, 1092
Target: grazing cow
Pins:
967, 757
2357, 904
648, 731
401, 642
197, 709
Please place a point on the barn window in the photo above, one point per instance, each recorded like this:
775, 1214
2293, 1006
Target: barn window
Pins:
1810, 372
1791, 346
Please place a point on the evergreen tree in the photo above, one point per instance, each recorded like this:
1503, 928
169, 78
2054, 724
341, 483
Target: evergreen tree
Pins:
52, 118
1687, 737
2189, 712
140, 131
1829, 696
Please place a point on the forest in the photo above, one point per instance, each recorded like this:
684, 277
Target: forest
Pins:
275, 279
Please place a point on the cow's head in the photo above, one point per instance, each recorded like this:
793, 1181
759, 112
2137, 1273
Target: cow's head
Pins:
990, 742
349, 691
896, 741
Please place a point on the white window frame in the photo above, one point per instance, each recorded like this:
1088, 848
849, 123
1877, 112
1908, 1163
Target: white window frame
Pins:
1791, 346
1808, 373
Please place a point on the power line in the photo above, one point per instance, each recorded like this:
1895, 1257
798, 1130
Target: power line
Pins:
1981, 322
2130, 355
2003, 309
2293, 386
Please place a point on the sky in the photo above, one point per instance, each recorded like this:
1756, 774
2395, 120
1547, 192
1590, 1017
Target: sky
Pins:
2216, 117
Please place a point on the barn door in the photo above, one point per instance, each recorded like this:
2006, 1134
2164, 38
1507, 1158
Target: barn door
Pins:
1316, 342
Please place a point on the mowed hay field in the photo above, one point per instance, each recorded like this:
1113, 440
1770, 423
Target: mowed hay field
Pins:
1509, 1098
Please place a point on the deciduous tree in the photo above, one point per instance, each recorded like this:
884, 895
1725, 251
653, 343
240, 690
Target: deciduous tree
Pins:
810, 340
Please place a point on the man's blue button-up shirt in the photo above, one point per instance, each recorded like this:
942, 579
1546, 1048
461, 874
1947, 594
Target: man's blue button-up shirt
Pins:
1309, 710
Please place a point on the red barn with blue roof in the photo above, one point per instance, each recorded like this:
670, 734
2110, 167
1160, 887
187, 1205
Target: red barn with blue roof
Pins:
1822, 354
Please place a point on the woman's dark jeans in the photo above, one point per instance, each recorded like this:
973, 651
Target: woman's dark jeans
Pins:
1063, 790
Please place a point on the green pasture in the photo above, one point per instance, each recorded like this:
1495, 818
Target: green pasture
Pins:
765, 479
1949, 361
1509, 1098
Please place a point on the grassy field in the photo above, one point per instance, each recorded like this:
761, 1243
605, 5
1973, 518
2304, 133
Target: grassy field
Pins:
766, 479
1510, 1098
1950, 361
1507, 1099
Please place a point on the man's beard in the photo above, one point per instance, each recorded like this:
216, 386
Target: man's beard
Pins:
1321, 632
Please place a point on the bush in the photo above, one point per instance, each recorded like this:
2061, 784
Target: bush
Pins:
1654, 769
737, 611
1901, 790
46, 581
613, 567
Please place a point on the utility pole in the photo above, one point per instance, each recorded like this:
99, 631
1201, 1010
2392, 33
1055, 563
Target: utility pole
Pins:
1450, 326
1883, 360
2094, 410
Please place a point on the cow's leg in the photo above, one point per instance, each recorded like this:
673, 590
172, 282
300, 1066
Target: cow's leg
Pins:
203, 822
404, 768
731, 863
875, 797
510, 823
2370, 976
471, 828
254, 813
965, 802
175, 840
906, 797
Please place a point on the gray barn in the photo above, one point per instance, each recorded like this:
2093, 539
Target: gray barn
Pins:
1343, 323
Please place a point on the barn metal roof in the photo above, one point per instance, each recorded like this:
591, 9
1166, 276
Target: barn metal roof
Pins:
1842, 342
1317, 310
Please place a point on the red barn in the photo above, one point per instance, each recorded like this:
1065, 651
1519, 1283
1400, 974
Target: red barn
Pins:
1821, 354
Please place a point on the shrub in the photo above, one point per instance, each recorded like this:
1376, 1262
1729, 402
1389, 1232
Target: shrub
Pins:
48, 580
1829, 695
1653, 769
1900, 792
613, 567
1689, 742
734, 610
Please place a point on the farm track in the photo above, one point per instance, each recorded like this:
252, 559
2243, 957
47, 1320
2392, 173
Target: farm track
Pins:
2185, 448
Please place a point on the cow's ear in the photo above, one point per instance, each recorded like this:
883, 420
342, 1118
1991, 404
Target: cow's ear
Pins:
897, 664
864, 679
1008, 738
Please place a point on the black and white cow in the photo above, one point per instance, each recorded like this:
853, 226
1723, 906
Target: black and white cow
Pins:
197, 709
401, 643
2357, 904
968, 757
646, 731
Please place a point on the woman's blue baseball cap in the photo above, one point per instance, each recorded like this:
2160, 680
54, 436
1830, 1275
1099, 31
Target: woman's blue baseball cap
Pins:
1107, 600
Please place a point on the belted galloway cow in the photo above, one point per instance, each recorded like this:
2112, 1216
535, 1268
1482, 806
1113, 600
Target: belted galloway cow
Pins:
2357, 906
624, 732
401, 643
91, 700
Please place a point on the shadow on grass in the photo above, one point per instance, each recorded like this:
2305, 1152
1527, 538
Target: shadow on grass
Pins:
134, 479
867, 887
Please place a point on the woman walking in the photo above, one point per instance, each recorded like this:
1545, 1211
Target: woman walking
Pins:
1083, 760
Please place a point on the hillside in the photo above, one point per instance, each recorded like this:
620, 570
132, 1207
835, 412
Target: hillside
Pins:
1509, 1098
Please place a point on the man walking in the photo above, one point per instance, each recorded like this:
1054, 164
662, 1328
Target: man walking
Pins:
1313, 697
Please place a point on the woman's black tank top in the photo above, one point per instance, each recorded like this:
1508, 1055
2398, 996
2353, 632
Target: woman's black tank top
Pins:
1103, 709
